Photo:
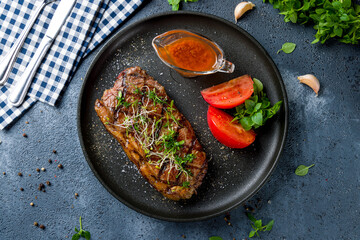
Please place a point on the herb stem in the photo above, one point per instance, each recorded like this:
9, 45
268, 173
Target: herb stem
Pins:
80, 223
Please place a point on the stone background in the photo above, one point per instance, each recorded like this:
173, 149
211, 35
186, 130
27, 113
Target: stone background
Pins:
323, 130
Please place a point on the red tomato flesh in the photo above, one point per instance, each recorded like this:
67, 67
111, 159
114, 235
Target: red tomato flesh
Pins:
229, 94
231, 134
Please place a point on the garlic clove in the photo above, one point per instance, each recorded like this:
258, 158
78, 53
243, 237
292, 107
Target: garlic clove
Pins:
311, 81
241, 8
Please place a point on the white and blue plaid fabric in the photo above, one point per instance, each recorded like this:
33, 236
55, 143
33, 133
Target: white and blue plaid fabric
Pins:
89, 23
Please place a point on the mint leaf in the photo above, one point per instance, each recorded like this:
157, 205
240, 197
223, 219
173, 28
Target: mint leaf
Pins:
303, 170
287, 47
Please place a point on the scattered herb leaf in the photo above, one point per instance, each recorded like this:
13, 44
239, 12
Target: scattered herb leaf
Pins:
81, 233
257, 226
256, 110
176, 3
287, 47
215, 238
302, 170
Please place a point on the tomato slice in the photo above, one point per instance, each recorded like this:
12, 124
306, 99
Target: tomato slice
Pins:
231, 134
229, 94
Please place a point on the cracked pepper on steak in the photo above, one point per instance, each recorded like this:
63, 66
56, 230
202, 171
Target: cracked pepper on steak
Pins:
155, 136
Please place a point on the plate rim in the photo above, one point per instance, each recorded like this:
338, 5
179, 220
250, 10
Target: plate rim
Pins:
103, 48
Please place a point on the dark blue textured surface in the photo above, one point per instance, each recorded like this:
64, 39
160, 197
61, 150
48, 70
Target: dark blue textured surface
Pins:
323, 130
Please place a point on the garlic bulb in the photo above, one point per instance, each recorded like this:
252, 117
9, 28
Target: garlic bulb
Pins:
241, 8
311, 81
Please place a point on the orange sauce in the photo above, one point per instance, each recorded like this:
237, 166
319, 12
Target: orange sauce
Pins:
191, 53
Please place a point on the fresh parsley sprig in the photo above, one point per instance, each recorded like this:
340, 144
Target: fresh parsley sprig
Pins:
338, 19
258, 227
81, 233
257, 109
176, 3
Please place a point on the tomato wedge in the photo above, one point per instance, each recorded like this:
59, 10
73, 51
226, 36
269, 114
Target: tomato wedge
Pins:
231, 134
229, 94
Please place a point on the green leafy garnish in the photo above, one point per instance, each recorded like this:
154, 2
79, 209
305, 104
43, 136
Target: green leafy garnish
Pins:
155, 98
215, 238
256, 110
258, 227
176, 3
121, 101
287, 47
138, 91
181, 162
338, 19
81, 233
302, 170
185, 184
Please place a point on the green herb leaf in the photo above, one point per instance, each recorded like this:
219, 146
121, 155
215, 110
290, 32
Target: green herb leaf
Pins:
302, 170
287, 47
76, 236
251, 217
247, 123
215, 238
258, 223
87, 235
176, 3
337, 19
257, 226
81, 233
185, 184
256, 110
269, 226
257, 118
258, 85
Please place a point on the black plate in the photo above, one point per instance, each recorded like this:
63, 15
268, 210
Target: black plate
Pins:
233, 175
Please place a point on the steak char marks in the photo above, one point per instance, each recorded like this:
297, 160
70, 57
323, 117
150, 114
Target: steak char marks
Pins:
155, 136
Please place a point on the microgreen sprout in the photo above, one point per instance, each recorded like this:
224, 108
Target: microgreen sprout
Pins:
186, 184
156, 135
257, 226
121, 101
154, 97
81, 233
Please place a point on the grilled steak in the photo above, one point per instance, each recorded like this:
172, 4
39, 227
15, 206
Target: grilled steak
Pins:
156, 137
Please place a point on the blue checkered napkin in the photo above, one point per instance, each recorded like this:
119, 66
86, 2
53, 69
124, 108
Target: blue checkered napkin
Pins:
89, 23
